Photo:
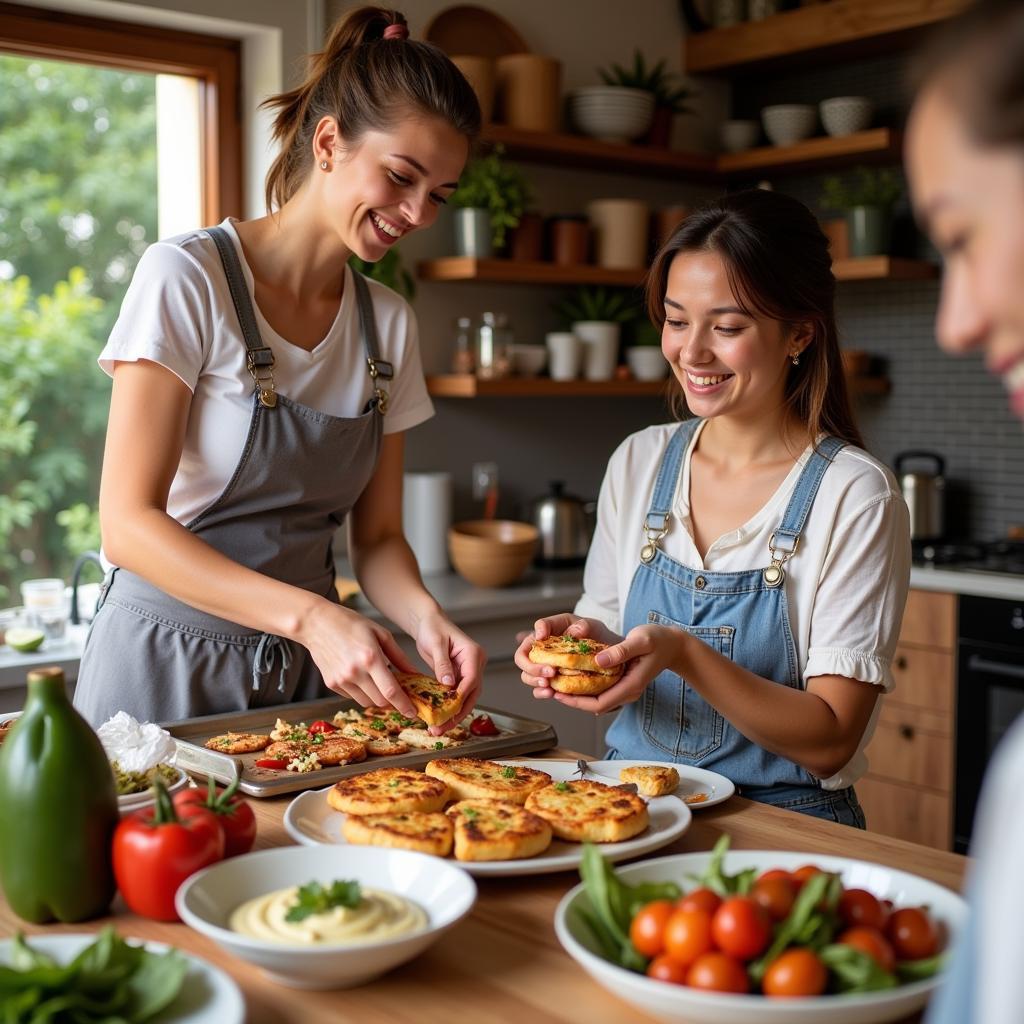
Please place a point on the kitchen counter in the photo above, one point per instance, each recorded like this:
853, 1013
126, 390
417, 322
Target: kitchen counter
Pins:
503, 961
977, 584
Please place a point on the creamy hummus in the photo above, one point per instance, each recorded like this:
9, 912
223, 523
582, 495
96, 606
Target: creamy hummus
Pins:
380, 915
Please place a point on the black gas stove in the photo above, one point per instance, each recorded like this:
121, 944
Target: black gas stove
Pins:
996, 556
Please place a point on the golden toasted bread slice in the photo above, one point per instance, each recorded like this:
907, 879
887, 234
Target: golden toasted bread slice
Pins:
497, 830
420, 739
469, 778
388, 791
335, 749
238, 742
568, 652
584, 684
651, 779
414, 830
583, 811
435, 703
378, 744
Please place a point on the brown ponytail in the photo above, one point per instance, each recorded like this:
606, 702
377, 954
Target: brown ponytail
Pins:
366, 82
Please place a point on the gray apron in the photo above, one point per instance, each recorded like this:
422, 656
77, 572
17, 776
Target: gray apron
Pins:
300, 472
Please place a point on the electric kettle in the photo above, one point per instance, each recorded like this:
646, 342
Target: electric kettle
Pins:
924, 493
565, 523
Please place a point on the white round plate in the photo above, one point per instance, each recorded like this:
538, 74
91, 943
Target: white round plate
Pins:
692, 781
677, 1003
207, 996
312, 821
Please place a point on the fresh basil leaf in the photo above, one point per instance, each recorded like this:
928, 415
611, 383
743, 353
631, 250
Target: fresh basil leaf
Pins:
156, 984
313, 898
915, 970
855, 970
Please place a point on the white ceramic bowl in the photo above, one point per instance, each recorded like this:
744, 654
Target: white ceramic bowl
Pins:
647, 362
736, 136
529, 360
678, 1003
205, 902
787, 123
132, 802
844, 115
612, 113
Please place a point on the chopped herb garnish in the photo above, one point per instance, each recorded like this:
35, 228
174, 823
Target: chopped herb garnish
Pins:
439, 745
393, 783
470, 812
583, 647
378, 724
508, 771
315, 899
562, 787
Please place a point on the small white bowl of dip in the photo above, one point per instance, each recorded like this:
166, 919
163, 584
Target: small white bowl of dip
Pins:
341, 954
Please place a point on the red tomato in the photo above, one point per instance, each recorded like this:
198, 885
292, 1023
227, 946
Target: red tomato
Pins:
321, 726
688, 934
797, 972
741, 928
155, 851
647, 929
700, 899
234, 814
804, 874
271, 762
913, 933
871, 941
858, 906
775, 873
717, 972
483, 725
775, 895
664, 968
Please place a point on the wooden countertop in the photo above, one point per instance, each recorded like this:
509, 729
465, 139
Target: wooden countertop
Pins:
503, 962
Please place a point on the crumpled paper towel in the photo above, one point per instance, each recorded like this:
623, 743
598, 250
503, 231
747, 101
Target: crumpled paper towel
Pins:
135, 746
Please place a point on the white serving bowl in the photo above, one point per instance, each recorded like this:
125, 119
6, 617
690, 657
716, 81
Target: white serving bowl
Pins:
528, 360
612, 112
205, 902
844, 115
736, 136
132, 802
678, 1003
647, 362
788, 123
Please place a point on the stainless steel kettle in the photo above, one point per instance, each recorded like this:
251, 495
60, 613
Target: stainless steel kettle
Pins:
924, 493
566, 524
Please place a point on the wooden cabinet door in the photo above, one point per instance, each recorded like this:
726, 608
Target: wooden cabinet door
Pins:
906, 812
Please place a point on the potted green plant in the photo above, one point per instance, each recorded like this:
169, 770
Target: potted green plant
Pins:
490, 199
388, 271
867, 200
596, 316
662, 83
643, 355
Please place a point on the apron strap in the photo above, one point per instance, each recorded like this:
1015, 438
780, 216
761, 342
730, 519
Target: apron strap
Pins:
379, 369
787, 535
668, 476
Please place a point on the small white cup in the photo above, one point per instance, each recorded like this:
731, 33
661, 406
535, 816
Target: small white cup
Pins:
46, 606
564, 354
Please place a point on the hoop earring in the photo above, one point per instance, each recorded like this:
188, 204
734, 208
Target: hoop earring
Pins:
323, 165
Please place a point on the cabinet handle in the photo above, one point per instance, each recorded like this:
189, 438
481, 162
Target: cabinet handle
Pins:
900, 663
907, 732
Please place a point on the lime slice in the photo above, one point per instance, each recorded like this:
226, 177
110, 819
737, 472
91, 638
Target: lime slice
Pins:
24, 640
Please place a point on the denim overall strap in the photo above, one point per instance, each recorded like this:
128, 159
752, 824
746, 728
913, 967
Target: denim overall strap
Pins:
668, 476
787, 535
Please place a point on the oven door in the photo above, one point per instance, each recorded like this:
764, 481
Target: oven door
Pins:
990, 695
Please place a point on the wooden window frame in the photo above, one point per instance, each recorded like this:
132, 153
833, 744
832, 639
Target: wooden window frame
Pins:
214, 60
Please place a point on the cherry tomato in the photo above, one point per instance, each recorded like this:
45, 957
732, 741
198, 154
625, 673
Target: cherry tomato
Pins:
271, 762
236, 817
322, 727
775, 895
741, 928
717, 972
688, 934
858, 906
700, 899
774, 873
913, 933
871, 941
805, 874
797, 972
664, 968
647, 929
483, 725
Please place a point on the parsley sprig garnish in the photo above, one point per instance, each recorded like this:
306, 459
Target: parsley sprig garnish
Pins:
562, 787
313, 898
508, 771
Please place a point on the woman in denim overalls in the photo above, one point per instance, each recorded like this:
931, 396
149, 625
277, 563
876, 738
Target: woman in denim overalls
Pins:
715, 675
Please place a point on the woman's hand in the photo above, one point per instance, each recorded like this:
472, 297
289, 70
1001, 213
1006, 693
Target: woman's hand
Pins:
563, 624
455, 659
352, 653
649, 650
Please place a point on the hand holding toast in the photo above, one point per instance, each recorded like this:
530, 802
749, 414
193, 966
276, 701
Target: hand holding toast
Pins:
455, 659
558, 654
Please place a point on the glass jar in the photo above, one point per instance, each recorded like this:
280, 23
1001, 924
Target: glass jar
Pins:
492, 355
463, 356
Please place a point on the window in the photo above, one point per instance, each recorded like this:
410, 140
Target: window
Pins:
113, 135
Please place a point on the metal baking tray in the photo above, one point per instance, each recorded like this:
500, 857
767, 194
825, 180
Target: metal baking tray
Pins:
518, 736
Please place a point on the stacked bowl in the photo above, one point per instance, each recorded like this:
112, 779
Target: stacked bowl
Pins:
612, 112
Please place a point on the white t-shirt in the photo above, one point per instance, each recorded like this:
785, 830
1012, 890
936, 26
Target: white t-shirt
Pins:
178, 312
846, 585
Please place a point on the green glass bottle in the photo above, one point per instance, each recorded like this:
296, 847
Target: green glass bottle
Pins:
58, 810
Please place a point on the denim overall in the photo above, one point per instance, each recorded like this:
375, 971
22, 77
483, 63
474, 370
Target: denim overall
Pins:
742, 615
300, 472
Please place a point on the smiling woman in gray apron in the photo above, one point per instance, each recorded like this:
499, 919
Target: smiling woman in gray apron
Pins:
750, 564
261, 388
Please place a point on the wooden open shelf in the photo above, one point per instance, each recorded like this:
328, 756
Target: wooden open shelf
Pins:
877, 145
563, 150
817, 32
465, 385
466, 268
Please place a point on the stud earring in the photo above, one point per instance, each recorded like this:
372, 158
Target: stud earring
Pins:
323, 165
796, 358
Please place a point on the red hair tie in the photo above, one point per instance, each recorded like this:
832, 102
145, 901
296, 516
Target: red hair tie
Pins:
396, 31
